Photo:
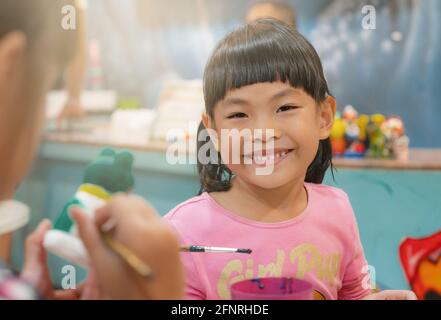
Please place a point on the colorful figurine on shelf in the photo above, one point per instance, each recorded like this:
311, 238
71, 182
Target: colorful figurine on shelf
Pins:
401, 148
109, 173
350, 116
397, 143
338, 136
377, 140
356, 136
355, 147
362, 122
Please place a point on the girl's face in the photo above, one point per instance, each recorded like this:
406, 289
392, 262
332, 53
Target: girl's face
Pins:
290, 122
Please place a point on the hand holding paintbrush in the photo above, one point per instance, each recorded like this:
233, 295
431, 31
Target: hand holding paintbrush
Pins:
137, 232
128, 245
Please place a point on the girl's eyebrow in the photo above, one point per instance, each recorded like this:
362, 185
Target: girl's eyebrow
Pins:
284, 93
235, 101
232, 101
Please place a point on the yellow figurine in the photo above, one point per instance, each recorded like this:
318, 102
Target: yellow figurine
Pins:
338, 136
376, 136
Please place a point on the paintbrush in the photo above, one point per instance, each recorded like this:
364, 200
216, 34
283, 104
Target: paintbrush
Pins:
187, 248
141, 267
128, 256
123, 252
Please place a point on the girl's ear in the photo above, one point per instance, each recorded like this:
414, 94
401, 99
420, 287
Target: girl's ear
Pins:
12, 48
206, 121
327, 115
208, 124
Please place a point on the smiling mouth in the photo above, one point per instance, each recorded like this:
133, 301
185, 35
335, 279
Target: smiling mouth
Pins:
265, 157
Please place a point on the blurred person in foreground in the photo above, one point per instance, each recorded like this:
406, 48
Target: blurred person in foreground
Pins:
33, 49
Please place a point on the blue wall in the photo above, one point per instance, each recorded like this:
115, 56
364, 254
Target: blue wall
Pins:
174, 38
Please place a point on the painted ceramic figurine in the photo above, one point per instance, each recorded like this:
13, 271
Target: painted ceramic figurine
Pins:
109, 173
362, 122
355, 146
350, 116
356, 136
338, 136
397, 143
376, 136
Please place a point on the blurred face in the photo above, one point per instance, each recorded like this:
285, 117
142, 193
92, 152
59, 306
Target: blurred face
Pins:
19, 123
286, 125
267, 10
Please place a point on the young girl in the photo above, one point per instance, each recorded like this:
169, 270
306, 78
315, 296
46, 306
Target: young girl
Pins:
267, 76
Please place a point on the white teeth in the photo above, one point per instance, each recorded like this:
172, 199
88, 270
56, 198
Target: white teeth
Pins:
267, 158
262, 159
282, 154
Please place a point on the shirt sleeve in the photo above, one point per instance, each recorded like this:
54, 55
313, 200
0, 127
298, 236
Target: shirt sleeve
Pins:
193, 286
356, 282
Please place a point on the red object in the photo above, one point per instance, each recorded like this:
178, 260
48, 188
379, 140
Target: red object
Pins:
359, 147
338, 146
421, 261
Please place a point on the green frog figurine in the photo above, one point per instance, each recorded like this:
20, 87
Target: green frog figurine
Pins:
109, 173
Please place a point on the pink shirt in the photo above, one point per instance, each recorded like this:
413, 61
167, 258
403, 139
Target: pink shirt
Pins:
321, 245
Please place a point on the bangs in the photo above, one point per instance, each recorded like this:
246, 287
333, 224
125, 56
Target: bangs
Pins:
264, 51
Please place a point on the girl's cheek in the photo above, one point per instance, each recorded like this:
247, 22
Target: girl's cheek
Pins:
308, 126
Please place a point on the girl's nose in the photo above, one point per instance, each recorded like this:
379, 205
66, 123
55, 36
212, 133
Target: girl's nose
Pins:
267, 133
268, 130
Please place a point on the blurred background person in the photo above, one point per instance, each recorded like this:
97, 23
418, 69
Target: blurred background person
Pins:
76, 70
269, 9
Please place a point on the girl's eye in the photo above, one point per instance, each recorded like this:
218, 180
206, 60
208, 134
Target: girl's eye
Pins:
286, 108
237, 115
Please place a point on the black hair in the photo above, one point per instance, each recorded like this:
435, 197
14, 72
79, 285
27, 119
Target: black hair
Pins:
267, 50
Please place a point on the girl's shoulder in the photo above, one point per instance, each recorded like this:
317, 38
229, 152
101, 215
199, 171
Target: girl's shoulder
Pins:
195, 219
325, 191
333, 199
188, 209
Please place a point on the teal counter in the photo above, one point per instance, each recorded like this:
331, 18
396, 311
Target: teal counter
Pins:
389, 204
